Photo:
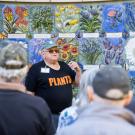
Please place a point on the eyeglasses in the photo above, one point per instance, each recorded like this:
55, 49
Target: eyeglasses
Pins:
53, 50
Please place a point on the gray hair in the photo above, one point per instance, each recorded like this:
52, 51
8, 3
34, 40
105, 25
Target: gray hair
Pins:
8, 75
85, 81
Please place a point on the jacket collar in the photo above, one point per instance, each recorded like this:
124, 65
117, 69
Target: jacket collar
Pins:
105, 110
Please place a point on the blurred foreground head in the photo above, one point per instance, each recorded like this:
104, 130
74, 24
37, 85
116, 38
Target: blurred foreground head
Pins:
13, 62
112, 83
85, 81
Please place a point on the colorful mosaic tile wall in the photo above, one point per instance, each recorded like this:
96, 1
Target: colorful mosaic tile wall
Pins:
92, 34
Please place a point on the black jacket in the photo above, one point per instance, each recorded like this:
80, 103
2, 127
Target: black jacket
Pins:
23, 114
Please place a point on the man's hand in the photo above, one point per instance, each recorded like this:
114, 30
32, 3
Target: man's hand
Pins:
74, 66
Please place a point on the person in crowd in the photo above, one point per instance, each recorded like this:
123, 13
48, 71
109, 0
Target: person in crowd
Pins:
70, 114
20, 113
52, 79
85, 81
131, 106
106, 114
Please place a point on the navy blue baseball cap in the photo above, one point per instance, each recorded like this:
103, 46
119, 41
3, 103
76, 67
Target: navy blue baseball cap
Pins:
111, 83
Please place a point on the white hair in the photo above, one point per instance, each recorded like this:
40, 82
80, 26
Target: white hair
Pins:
85, 81
9, 74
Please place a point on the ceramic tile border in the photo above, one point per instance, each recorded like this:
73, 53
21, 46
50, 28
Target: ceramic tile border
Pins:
59, 1
97, 0
25, 1
66, 1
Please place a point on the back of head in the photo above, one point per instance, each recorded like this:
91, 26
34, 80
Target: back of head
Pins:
87, 78
85, 81
13, 62
111, 83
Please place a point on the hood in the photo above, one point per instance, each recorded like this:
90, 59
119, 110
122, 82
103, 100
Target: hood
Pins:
107, 111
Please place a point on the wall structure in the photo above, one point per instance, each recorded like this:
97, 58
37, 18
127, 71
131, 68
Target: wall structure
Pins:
91, 33
60, 1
